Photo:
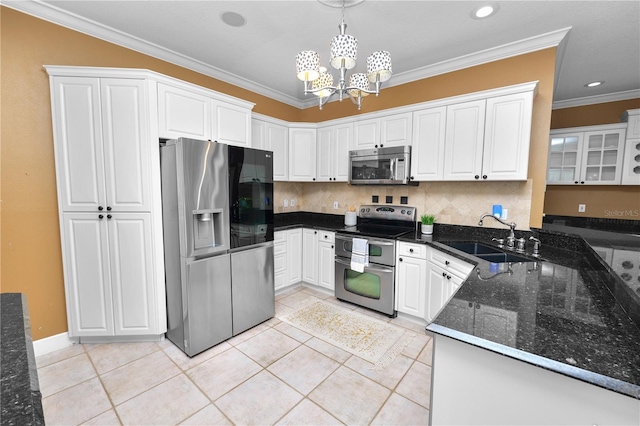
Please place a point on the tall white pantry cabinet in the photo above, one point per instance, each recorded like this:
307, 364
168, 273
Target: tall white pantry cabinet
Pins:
108, 178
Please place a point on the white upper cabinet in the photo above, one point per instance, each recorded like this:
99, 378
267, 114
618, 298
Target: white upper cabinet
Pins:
427, 148
489, 139
590, 155
102, 144
182, 113
231, 124
333, 145
277, 140
272, 137
388, 131
507, 137
631, 160
302, 154
464, 140
189, 111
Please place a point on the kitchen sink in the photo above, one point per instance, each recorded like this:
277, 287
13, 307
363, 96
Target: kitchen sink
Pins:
488, 253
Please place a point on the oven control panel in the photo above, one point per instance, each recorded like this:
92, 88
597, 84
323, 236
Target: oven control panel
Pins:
390, 212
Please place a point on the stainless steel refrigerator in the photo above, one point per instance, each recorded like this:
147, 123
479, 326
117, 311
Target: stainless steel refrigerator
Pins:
216, 286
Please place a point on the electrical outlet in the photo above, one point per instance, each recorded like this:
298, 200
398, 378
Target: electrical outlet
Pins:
286, 203
504, 214
335, 205
582, 208
293, 202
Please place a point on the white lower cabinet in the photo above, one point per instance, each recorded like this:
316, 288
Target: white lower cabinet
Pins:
294, 256
310, 256
412, 279
280, 259
109, 275
426, 279
326, 260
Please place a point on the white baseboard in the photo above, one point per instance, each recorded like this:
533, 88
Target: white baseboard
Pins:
53, 343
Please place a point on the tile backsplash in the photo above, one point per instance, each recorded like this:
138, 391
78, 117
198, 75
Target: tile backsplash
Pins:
456, 203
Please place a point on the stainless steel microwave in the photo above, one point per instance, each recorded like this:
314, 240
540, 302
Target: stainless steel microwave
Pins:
381, 166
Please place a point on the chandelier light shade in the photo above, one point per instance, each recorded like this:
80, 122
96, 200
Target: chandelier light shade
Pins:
308, 65
360, 84
343, 55
344, 48
379, 66
323, 84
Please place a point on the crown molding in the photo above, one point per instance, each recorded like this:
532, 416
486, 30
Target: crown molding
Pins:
597, 99
51, 13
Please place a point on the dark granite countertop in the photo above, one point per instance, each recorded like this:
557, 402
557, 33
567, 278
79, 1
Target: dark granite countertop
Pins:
21, 398
567, 310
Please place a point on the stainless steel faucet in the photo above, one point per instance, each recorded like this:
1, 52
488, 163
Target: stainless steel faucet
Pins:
511, 239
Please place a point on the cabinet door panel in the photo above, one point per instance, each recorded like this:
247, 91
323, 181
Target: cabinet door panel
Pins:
395, 130
326, 265
343, 139
310, 256
294, 256
277, 138
324, 154
302, 155
231, 124
183, 113
507, 137
78, 143
427, 148
126, 144
132, 273
412, 282
435, 292
366, 134
464, 141
87, 276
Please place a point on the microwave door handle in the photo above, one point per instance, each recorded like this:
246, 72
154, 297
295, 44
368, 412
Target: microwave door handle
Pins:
392, 166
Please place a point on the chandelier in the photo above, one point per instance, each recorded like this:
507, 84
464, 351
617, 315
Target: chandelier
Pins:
344, 47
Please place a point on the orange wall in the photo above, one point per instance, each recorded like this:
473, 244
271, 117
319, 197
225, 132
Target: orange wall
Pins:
591, 115
30, 246
603, 201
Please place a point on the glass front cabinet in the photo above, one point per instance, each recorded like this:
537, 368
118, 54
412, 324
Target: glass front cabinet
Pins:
586, 155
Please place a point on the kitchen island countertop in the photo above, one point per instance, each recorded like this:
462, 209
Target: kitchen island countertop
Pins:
567, 311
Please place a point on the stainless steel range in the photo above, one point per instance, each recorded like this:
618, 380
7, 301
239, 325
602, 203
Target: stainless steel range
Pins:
371, 283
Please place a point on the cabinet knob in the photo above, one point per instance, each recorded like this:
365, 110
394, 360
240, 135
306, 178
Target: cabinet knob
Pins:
100, 216
109, 208
400, 259
576, 182
582, 182
477, 306
446, 262
109, 216
410, 177
477, 176
448, 277
410, 250
375, 146
332, 246
315, 232
471, 304
484, 176
444, 274
325, 237
314, 178
102, 208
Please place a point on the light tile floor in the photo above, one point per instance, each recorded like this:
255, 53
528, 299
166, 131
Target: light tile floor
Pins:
271, 374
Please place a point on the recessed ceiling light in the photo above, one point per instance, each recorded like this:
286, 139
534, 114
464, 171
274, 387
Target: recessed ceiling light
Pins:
594, 84
485, 11
233, 19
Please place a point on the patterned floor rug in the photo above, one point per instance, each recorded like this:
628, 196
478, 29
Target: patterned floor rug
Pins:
371, 339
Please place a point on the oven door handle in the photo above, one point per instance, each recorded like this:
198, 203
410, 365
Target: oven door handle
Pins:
370, 240
369, 267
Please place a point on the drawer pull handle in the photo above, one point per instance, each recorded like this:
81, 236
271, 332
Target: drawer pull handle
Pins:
446, 262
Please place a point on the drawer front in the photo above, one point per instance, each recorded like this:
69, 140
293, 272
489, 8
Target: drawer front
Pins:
449, 263
279, 237
418, 251
326, 236
280, 248
280, 262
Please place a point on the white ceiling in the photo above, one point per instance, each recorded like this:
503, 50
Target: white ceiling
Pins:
597, 40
